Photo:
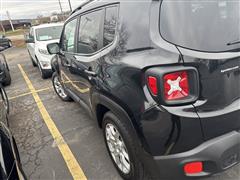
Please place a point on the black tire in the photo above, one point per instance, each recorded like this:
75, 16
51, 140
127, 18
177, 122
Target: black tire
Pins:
137, 170
8, 79
33, 63
44, 74
55, 77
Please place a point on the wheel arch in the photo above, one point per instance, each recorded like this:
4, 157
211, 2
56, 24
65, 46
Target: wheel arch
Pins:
103, 104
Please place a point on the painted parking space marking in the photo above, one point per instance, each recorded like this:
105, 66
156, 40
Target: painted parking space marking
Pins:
28, 93
72, 164
74, 85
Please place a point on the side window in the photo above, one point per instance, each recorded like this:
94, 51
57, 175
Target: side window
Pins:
89, 40
68, 37
110, 24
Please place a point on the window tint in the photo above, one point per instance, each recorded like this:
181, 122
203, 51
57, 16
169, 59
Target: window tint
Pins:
110, 24
89, 33
201, 25
69, 36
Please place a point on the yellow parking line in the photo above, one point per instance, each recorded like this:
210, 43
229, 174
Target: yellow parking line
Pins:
72, 164
74, 85
29, 93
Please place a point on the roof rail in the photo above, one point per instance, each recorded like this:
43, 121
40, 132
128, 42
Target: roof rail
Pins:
81, 6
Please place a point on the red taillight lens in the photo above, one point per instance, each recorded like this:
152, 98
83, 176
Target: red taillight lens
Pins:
193, 168
152, 84
176, 85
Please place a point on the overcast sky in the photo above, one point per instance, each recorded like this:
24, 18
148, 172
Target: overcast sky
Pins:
21, 9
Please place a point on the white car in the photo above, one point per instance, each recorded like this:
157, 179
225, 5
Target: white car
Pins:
38, 39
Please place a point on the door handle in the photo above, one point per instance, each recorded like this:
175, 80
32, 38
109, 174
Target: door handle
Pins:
90, 73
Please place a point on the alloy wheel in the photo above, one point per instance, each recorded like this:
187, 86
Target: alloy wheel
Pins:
59, 88
117, 148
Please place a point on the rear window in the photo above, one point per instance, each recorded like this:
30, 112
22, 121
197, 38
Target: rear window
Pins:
207, 26
110, 23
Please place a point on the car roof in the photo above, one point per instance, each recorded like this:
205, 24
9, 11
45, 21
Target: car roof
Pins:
47, 25
89, 5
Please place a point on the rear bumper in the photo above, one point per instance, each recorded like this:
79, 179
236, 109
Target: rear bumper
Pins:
217, 155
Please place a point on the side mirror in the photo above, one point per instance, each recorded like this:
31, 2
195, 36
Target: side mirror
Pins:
29, 40
53, 48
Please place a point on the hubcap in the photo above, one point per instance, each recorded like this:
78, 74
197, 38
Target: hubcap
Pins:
59, 88
117, 148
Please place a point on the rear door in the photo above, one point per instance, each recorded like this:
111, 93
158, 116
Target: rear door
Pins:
96, 31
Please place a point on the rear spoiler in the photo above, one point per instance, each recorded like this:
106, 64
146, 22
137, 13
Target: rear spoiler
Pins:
81, 6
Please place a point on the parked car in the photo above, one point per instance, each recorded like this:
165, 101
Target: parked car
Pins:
37, 41
163, 83
10, 163
2, 48
5, 77
5, 42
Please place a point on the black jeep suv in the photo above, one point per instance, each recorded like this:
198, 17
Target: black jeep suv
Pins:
161, 78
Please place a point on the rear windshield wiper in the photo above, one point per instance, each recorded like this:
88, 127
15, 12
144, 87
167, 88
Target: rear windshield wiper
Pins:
233, 43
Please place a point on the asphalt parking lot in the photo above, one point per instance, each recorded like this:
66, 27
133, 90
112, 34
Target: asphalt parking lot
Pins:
40, 154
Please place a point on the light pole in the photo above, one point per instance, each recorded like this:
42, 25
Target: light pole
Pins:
61, 16
10, 21
60, 6
70, 5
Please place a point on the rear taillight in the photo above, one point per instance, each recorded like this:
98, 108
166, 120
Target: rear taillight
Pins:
176, 85
173, 85
152, 84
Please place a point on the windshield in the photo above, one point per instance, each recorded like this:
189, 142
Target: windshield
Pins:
49, 33
209, 26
